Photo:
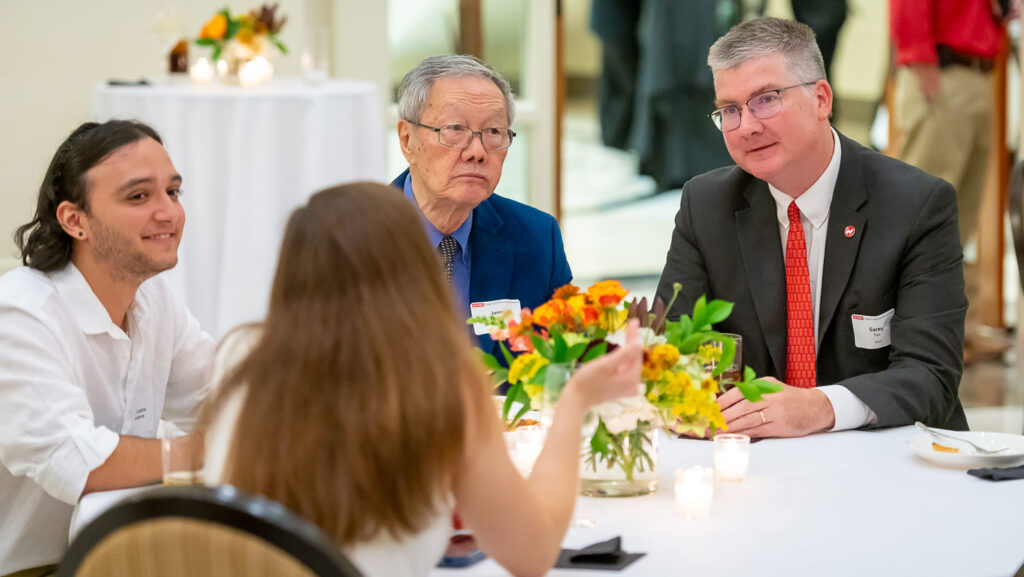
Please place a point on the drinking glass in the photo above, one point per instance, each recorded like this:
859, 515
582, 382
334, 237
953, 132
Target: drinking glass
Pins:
734, 373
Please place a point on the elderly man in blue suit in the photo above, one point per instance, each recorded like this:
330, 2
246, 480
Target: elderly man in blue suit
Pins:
498, 254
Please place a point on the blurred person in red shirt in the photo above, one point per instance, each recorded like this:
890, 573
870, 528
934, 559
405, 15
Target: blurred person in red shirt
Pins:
945, 52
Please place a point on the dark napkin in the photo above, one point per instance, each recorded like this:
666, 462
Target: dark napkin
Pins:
998, 474
604, 555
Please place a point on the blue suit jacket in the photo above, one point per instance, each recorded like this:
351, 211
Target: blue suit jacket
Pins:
517, 253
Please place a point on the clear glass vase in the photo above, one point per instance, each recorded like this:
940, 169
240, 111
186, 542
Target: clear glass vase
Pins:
620, 465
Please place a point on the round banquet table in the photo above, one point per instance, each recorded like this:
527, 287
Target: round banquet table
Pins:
248, 156
852, 503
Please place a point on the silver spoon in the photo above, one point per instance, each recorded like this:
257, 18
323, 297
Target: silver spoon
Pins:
939, 435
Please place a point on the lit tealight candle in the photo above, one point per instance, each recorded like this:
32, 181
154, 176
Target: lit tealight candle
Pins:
202, 71
694, 490
254, 72
732, 456
529, 444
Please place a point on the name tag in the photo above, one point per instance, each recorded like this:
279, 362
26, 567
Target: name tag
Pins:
873, 332
493, 309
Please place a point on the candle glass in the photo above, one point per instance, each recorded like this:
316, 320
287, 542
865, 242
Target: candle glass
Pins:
529, 441
732, 456
182, 460
694, 490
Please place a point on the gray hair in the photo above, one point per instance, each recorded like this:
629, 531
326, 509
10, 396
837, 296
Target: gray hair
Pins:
764, 37
416, 85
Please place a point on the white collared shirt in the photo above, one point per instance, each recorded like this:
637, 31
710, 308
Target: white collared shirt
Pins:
72, 382
814, 205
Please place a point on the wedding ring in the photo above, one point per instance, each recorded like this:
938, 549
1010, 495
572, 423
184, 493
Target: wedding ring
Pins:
764, 421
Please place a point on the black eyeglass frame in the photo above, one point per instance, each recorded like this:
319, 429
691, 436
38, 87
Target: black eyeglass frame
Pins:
779, 91
472, 133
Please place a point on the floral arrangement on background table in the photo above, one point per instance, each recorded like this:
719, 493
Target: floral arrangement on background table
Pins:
680, 374
236, 40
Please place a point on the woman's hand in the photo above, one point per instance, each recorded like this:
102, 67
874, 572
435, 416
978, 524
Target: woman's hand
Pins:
614, 375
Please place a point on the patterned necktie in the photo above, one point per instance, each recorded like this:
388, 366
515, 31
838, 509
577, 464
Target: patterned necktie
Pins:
448, 248
800, 371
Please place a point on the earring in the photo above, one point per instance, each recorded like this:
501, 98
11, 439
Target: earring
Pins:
81, 234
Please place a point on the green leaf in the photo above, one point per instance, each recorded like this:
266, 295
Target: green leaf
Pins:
215, 55
718, 311
750, 391
596, 351
560, 348
280, 45
692, 342
748, 374
504, 352
205, 41
543, 347
767, 387
700, 315
489, 361
576, 351
510, 397
728, 354
540, 376
600, 440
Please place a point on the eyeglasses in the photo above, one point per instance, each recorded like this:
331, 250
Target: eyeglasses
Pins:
459, 136
763, 105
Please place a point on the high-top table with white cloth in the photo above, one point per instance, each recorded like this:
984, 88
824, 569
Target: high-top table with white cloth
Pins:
852, 503
248, 156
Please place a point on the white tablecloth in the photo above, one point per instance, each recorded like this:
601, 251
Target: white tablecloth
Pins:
248, 156
852, 503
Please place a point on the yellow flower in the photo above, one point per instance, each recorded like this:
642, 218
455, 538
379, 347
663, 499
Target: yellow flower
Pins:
525, 367
215, 28
658, 360
709, 353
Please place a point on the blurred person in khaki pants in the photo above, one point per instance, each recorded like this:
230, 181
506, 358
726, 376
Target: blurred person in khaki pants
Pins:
945, 52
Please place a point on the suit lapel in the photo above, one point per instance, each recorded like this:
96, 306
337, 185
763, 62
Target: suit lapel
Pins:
493, 258
761, 251
841, 250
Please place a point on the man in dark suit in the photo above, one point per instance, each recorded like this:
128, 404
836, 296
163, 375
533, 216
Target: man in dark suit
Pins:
844, 265
498, 254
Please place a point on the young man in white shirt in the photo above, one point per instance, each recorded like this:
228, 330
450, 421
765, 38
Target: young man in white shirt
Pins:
94, 349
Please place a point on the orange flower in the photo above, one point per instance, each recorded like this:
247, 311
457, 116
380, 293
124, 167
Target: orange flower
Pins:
607, 293
215, 28
548, 313
591, 316
566, 291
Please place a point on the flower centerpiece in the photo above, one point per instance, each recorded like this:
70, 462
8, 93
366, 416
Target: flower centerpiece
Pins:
237, 40
680, 373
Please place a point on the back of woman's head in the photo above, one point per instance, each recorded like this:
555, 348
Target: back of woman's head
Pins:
42, 241
357, 388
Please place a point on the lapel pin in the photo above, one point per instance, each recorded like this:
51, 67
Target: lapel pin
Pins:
849, 231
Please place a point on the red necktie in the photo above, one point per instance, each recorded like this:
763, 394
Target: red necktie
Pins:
800, 370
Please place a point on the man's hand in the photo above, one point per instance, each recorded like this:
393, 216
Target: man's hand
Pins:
792, 412
929, 79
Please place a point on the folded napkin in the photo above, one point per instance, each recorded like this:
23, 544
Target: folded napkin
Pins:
998, 474
604, 555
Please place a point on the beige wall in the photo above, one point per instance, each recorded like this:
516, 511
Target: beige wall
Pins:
54, 51
862, 55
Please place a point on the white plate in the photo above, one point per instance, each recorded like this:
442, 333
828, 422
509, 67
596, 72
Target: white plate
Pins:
967, 456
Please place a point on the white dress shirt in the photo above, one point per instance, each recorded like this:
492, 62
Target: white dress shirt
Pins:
814, 204
72, 382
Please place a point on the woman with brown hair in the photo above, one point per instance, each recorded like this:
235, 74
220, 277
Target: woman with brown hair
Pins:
360, 404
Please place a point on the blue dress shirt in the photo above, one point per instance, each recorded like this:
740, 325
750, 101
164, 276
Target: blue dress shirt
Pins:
460, 272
